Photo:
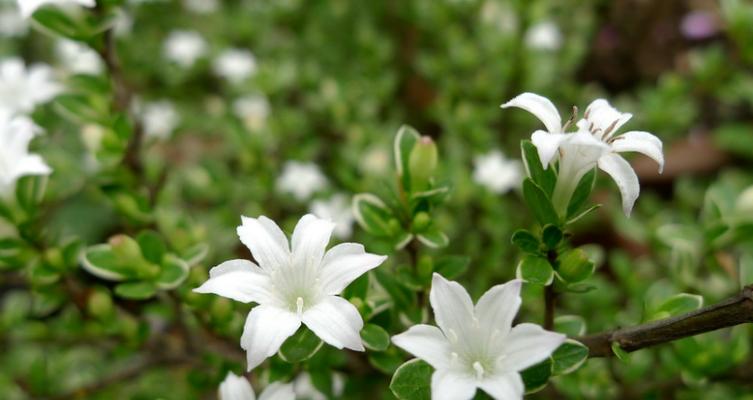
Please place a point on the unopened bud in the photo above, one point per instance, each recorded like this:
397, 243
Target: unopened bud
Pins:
422, 162
421, 221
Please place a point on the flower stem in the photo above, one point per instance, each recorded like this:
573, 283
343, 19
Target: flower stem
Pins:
549, 300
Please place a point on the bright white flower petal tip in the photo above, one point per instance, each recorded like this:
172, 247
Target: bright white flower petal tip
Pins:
476, 346
295, 283
27, 7
236, 387
15, 160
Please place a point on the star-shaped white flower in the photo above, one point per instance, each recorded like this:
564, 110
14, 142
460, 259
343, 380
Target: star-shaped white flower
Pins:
339, 210
595, 143
497, 173
22, 89
185, 47
15, 161
236, 387
27, 7
235, 65
477, 346
293, 284
301, 179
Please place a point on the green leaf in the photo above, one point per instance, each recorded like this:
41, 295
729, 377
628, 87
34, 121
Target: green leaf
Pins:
433, 238
173, 272
301, 346
412, 381
375, 337
545, 178
526, 241
99, 260
452, 267
568, 357
401, 296
152, 246
56, 22
385, 361
581, 194
539, 203
583, 214
195, 254
678, 304
372, 214
574, 266
405, 139
621, 354
80, 109
536, 270
136, 290
30, 191
570, 325
536, 377
551, 236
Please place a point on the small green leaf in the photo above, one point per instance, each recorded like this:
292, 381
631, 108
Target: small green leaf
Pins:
385, 361
301, 346
551, 236
99, 260
452, 267
372, 214
173, 272
152, 246
195, 254
433, 238
401, 296
136, 290
526, 241
583, 214
375, 337
539, 203
574, 266
621, 354
581, 194
568, 357
80, 109
570, 325
536, 377
678, 304
56, 22
412, 381
536, 270
545, 178
30, 191
405, 139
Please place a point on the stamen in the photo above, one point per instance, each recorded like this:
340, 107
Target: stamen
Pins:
299, 305
479, 370
606, 132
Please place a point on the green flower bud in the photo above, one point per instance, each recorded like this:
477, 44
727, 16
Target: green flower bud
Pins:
421, 221
100, 303
422, 162
128, 254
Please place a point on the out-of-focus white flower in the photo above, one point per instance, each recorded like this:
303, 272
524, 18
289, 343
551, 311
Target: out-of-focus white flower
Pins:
201, 6
28, 7
236, 387
304, 388
301, 179
338, 210
295, 283
498, 15
497, 173
595, 143
159, 119
235, 65
185, 47
16, 132
22, 89
253, 110
476, 346
123, 23
78, 58
11, 23
375, 161
544, 36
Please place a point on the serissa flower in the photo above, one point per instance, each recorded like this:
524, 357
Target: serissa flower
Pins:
15, 160
28, 7
236, 387
476, 346
595, 143
294, 284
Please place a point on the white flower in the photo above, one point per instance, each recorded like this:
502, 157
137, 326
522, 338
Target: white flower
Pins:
253, 110
78, 58
236, 387
235, 65
498, 15
28, 7
294, 283
301, 179
477, 346
337, 209
595, 143
544, 36
22, 89
305, 389
201, 6
15, 161
159, 119
11, 23
185, 47
497, 173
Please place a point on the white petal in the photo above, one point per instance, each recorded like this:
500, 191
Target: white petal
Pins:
425, 342
453, 308
32, 164
344, 263
446, 385
235, 387
509, 386
336, 321
240, 280
539, 106
278, 391
526, 345
309, 241
642, 142
266, 329
547, 145
266, 241
625, 178
605, 118
497, 308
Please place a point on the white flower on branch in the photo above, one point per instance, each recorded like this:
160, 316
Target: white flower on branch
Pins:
295, 283
22, 88
497, 173
477, 346
236, 387
301, 179
27, 7
253, 110
337, 209
11, 23
235, 65
544, 36
160, 119
595, 143
15, 161
78, 58
185, 47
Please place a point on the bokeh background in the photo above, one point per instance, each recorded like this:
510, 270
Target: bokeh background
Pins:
304, 111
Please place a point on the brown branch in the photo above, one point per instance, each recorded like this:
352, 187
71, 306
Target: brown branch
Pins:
733, 311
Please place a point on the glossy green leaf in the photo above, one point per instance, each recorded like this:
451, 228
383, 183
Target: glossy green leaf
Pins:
581, 194
545, 178
568, 357
539, 203
452, 267
412, 381
405, 139
375, 337
372, 214
536, 377
574, 266
301, 346
173, 272
536, 270
551, 236
678, 304
152, 246
526, 241
136, 290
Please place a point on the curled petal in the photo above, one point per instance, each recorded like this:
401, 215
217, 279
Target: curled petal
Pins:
547, 145
604, 118
625, 178
539, 106
266, 329
642, 142
336, 321
344, 263
527, 345
425, 342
